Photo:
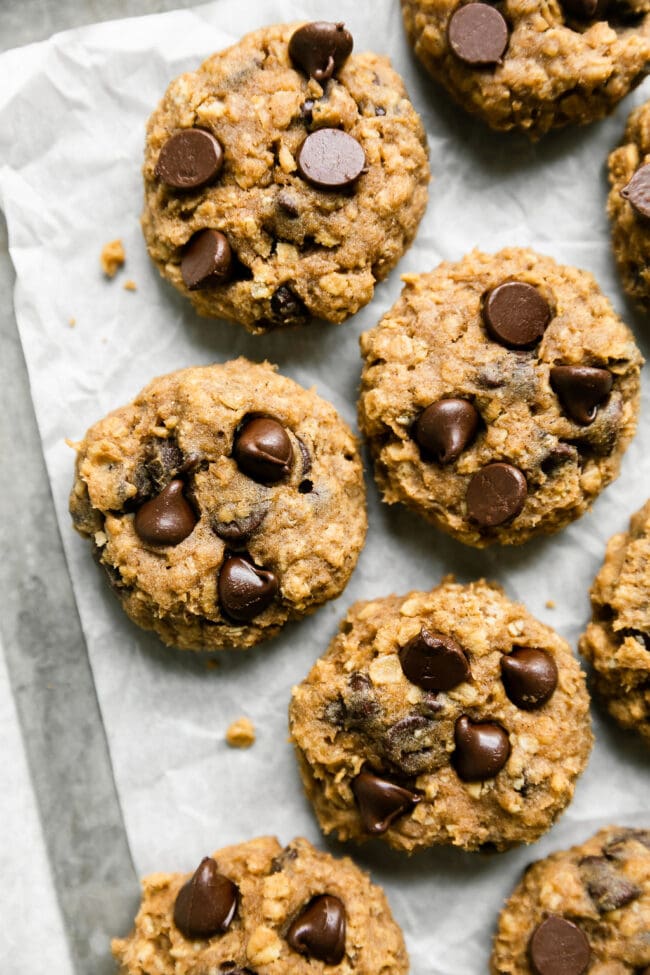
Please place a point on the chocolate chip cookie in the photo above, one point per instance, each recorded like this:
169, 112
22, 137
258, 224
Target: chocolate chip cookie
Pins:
260, 909
533, 66
450, 716
284, 178
499, 395
628, 205
586, 909
617, 641
222, 502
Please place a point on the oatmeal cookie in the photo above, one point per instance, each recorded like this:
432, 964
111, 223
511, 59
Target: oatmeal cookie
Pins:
222, 502
499, 395
450, 716
284, 178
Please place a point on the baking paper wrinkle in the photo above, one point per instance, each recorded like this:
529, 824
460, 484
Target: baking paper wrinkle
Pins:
72, 121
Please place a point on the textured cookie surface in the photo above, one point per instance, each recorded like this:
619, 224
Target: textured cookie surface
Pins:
300, 251
583, 910
266, 516
617, 641
275, 886
554, 63
561, 434
489, 762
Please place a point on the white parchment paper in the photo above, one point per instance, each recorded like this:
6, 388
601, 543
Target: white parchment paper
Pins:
72, 116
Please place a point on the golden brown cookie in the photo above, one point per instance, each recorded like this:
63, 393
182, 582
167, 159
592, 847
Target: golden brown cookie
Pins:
498, 396
222, 502
284, 178
451, 716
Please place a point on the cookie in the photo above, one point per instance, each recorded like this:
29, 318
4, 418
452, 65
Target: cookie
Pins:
532, 66
498, 396
628, 206
451, 716
586, 909
617, 641
260, 909
284, 178
222, 502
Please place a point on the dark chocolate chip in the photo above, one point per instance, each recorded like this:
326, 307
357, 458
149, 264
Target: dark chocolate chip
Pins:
245, 590
446, 428
496, 494
306, 457
307, 110
482, 749
529, 676
515, 313
189, 159
586, 9
581, 390
434, 661
320, 48
361, 706
558, 947
263, 450
409, 744
287, 855
207, 261
166, 519
163, 461
478, 34
207, 903
607, 887
381, 801
287, 307
289, 204
319, 930
331, 159
637, 191
238, 531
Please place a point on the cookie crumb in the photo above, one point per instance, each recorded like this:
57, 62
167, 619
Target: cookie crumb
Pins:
550, 604
130, 285
72, 322
241, 733
112, 257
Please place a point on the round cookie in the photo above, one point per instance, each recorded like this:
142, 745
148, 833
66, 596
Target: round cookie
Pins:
532, 66
450, 716
498, 396
582, 910
222, 502
312, 171
260, 909
628, 205
617, 641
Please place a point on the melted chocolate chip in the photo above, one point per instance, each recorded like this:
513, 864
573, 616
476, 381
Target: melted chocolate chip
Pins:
515, 313
245, 590
496, 494
637, 191
434, 661
607, 887
446, 428
478, 34
330, 159
189, 159
409, 743
163, 461
166, 519
207, 261
529, 676
286, 856
207, 903
320, 49
482, 749
289, 204
381, 801
263, 450
287, 307
319, 930
581, 390
238, 531
558, 947
306, 457
361, 706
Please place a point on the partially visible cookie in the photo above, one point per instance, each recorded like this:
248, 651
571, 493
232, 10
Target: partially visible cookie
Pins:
617, 641
284, 178
628, 205
583, 910
222, 502
451, 716
531, 66
260, 909
498, 396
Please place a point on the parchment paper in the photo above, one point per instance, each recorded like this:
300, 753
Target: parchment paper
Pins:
72, 116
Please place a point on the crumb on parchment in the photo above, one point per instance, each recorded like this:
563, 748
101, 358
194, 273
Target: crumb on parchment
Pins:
241, 733
112, 257
130, 285
550, 604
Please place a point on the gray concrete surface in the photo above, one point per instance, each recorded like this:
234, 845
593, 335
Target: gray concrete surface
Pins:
46, 654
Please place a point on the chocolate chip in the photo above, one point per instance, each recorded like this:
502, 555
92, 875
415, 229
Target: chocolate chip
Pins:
307, 110
245, 590
207, 903
558, 947
263, 450
581, 390
434, 661
478, 34
586, 9
361, 706
287, 307
319, 930
238, 531
409, 744
381, 801
331, 159
515, 313
607, 888
496, 494
189, 159
529, 676
207, 261
287, 855
637, 191
320, 48
163, 461
482, 749
306, 457
446, 428
289, 204
166, 519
